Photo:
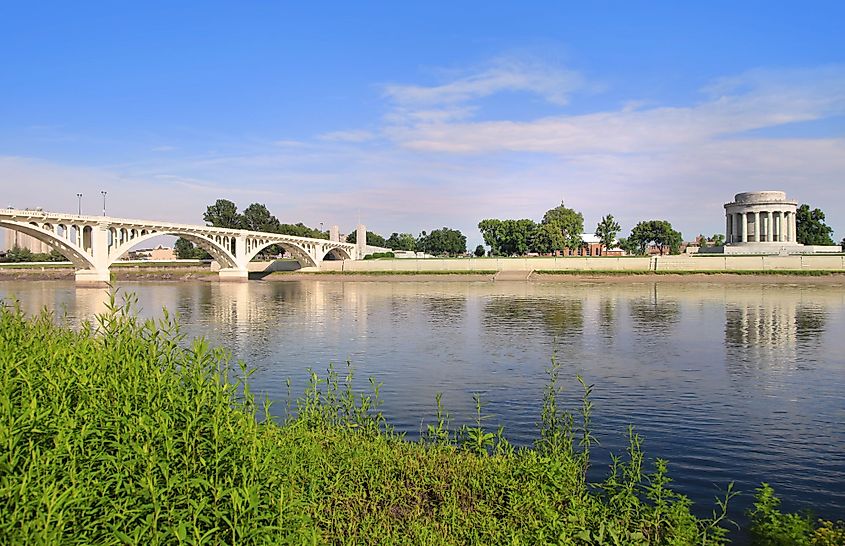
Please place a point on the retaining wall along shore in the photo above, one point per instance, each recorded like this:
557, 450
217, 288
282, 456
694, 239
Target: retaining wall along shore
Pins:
608, 263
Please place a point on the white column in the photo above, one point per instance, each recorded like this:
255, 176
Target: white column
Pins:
769, 227
788, 222
756, 226
727, 227
744, 220
794, 226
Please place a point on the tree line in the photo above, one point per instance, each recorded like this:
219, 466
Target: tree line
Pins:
561, 230
257, 217
439, 242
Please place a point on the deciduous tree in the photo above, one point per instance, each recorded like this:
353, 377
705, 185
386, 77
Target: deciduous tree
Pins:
547, 238
810, 227
569, 222
401, 241
607, 230
186, 250
443, 241
258, 218
660, 233
223, 214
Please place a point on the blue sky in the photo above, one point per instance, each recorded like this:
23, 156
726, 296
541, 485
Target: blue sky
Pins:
416, 116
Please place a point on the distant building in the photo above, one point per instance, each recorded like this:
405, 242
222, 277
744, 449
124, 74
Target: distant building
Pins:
157, 254
592, 247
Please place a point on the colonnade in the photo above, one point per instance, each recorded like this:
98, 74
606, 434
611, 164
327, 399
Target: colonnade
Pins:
761, 226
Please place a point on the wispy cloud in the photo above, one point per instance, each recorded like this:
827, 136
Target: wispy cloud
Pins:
348, 136
552, 83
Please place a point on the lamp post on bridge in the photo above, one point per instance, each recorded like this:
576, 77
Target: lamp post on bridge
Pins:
104, 201
79, 207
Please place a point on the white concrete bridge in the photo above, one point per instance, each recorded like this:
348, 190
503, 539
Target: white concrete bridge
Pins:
94, 243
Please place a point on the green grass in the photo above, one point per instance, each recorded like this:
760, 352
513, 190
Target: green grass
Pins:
25, 265
787, 272
377, 273
122, 432
147, 264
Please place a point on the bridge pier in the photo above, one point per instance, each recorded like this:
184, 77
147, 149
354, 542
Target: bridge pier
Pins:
93, 277
230, 274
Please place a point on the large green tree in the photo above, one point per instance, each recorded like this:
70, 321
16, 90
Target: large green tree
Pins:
401, 241
570, 223
443, 241
301, 230
224, 214
186, 250
508, 237
810, 227
256, 217
607, 230
629, 246
491, 231
660, 233
547, 238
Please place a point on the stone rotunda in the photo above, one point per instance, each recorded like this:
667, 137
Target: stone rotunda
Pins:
759, 217
764, 222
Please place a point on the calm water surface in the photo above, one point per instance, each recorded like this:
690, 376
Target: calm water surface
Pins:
729, 383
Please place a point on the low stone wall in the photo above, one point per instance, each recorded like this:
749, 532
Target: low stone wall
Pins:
608, 263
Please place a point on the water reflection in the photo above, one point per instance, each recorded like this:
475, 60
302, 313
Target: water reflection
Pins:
729, 382
653, 313
768, 331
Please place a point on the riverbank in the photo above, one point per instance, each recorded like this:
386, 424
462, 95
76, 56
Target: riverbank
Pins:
203, 273
749, 277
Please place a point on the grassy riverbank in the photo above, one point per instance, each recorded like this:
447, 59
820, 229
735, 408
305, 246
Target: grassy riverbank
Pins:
122, 433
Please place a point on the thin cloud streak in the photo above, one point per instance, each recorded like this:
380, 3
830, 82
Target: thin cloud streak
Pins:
552, 83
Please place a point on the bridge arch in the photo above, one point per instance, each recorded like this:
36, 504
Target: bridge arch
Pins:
299, 253
70, 250
218, 252
336, 253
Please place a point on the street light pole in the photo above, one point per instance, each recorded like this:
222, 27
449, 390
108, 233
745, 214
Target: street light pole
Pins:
104, 201
79, 208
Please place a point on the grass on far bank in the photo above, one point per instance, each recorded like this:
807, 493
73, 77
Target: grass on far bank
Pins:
376, 273
121, 432
36, 265
774, 272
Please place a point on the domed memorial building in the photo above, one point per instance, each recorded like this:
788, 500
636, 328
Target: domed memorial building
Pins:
764, 222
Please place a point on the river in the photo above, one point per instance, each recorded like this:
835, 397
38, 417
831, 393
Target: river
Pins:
742, 383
